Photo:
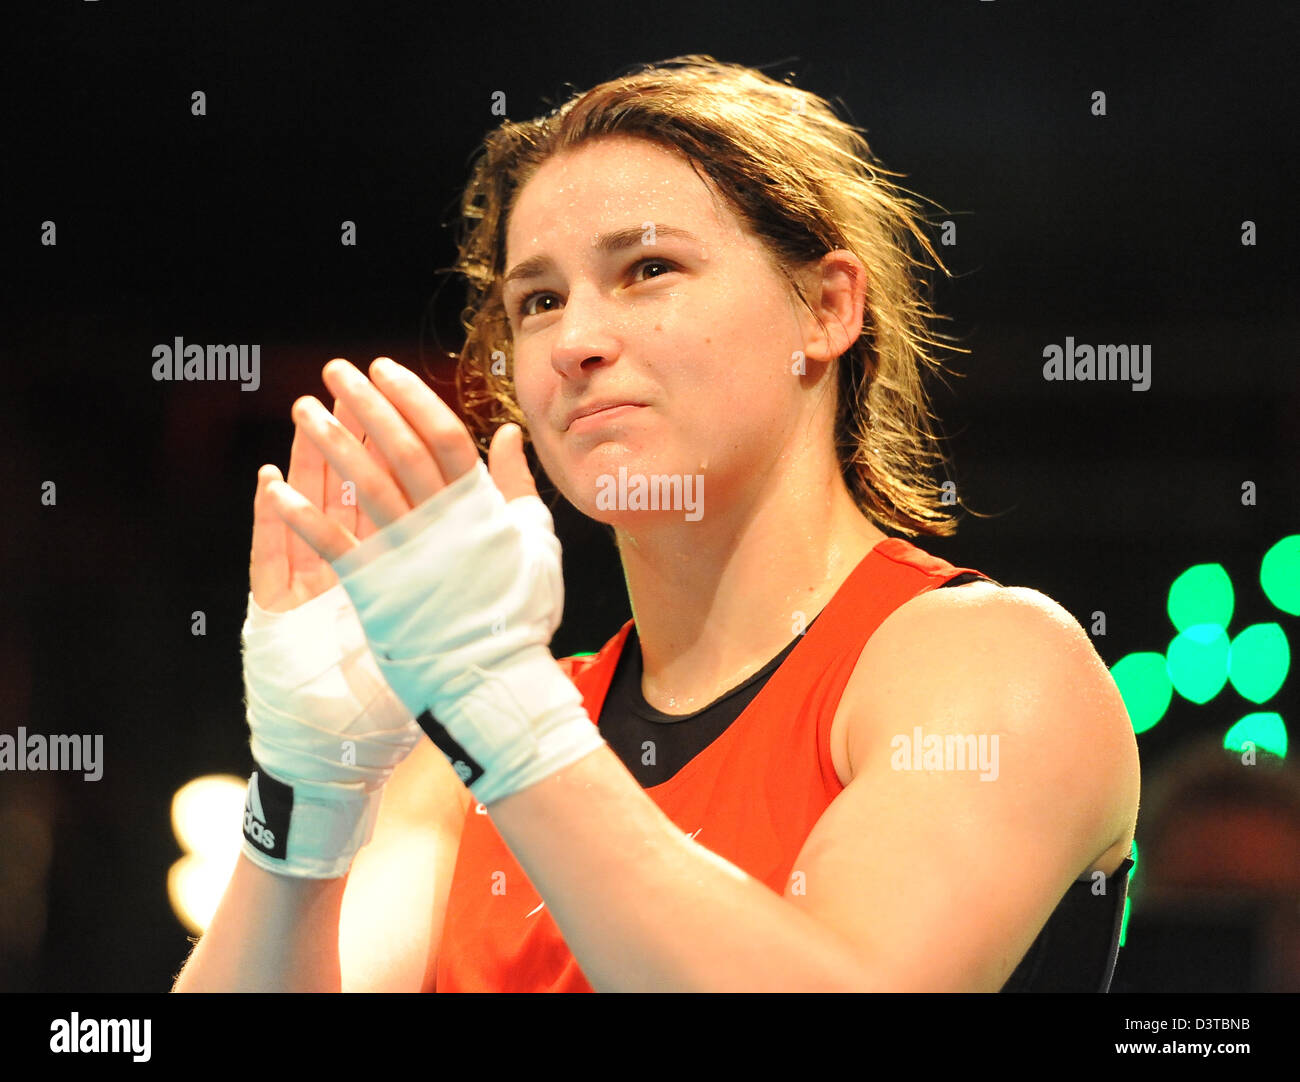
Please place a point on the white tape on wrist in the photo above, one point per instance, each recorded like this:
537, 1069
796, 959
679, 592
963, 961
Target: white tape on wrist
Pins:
459, 599
506, 728
326, 733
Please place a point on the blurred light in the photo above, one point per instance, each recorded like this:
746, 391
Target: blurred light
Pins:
1128, 896
1201, 595
206, 813
1258, 662
1279, 574
1266, 731
1198, 662
1143, 681
205, 818
195, 886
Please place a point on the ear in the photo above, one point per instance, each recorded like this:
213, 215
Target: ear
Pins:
836, 288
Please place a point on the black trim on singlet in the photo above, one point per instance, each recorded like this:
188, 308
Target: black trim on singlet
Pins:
1077, 948
636, 731
965, 577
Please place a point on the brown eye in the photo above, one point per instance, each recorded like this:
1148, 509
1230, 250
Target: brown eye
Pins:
521, 310
656, 263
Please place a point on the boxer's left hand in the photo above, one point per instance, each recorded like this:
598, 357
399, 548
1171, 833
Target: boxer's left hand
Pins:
417, 446
460, 589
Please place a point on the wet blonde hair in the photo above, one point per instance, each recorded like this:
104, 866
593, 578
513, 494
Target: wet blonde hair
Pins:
804, 183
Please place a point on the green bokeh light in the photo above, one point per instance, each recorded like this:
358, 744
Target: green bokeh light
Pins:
1267, 731
1258, 662
1279, 574
1201, 595
1143, 681
1198, 662
1128, 898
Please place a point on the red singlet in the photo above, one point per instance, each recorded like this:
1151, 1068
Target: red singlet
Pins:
752, 795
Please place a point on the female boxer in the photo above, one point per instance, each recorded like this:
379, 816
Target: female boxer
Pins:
804, 765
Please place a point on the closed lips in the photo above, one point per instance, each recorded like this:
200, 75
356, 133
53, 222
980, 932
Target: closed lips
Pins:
597, 407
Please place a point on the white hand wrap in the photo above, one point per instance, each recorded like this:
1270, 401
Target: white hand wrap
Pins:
327, 732
459, 599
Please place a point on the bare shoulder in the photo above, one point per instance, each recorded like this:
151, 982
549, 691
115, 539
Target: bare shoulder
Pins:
992, 765
1009, 660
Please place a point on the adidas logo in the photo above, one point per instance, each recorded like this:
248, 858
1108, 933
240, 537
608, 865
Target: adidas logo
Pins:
463, 770
255, 828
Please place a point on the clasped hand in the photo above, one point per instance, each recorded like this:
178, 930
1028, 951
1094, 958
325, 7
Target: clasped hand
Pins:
459, 590
412, 445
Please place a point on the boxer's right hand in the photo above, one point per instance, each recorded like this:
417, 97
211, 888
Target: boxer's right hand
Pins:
326, 729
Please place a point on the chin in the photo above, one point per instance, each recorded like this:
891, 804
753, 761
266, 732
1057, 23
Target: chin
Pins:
617, 486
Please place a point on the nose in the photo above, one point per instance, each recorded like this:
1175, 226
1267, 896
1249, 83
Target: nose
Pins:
586, 340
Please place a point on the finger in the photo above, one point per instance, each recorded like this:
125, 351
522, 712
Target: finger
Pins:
307, 476
364, 526
508, 465
377, 492
341, 503
352, 516
434, 422
325, 537
340, 494
414, 468
268, 565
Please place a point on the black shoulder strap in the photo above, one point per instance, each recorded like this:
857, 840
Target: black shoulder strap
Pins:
969, 576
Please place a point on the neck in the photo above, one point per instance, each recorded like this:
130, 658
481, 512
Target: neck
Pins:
715, 600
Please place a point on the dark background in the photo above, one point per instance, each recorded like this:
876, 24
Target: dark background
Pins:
225, 228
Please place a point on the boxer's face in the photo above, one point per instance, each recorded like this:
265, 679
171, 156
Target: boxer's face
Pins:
699, 330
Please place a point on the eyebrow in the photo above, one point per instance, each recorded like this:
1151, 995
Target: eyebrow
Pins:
616, 241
